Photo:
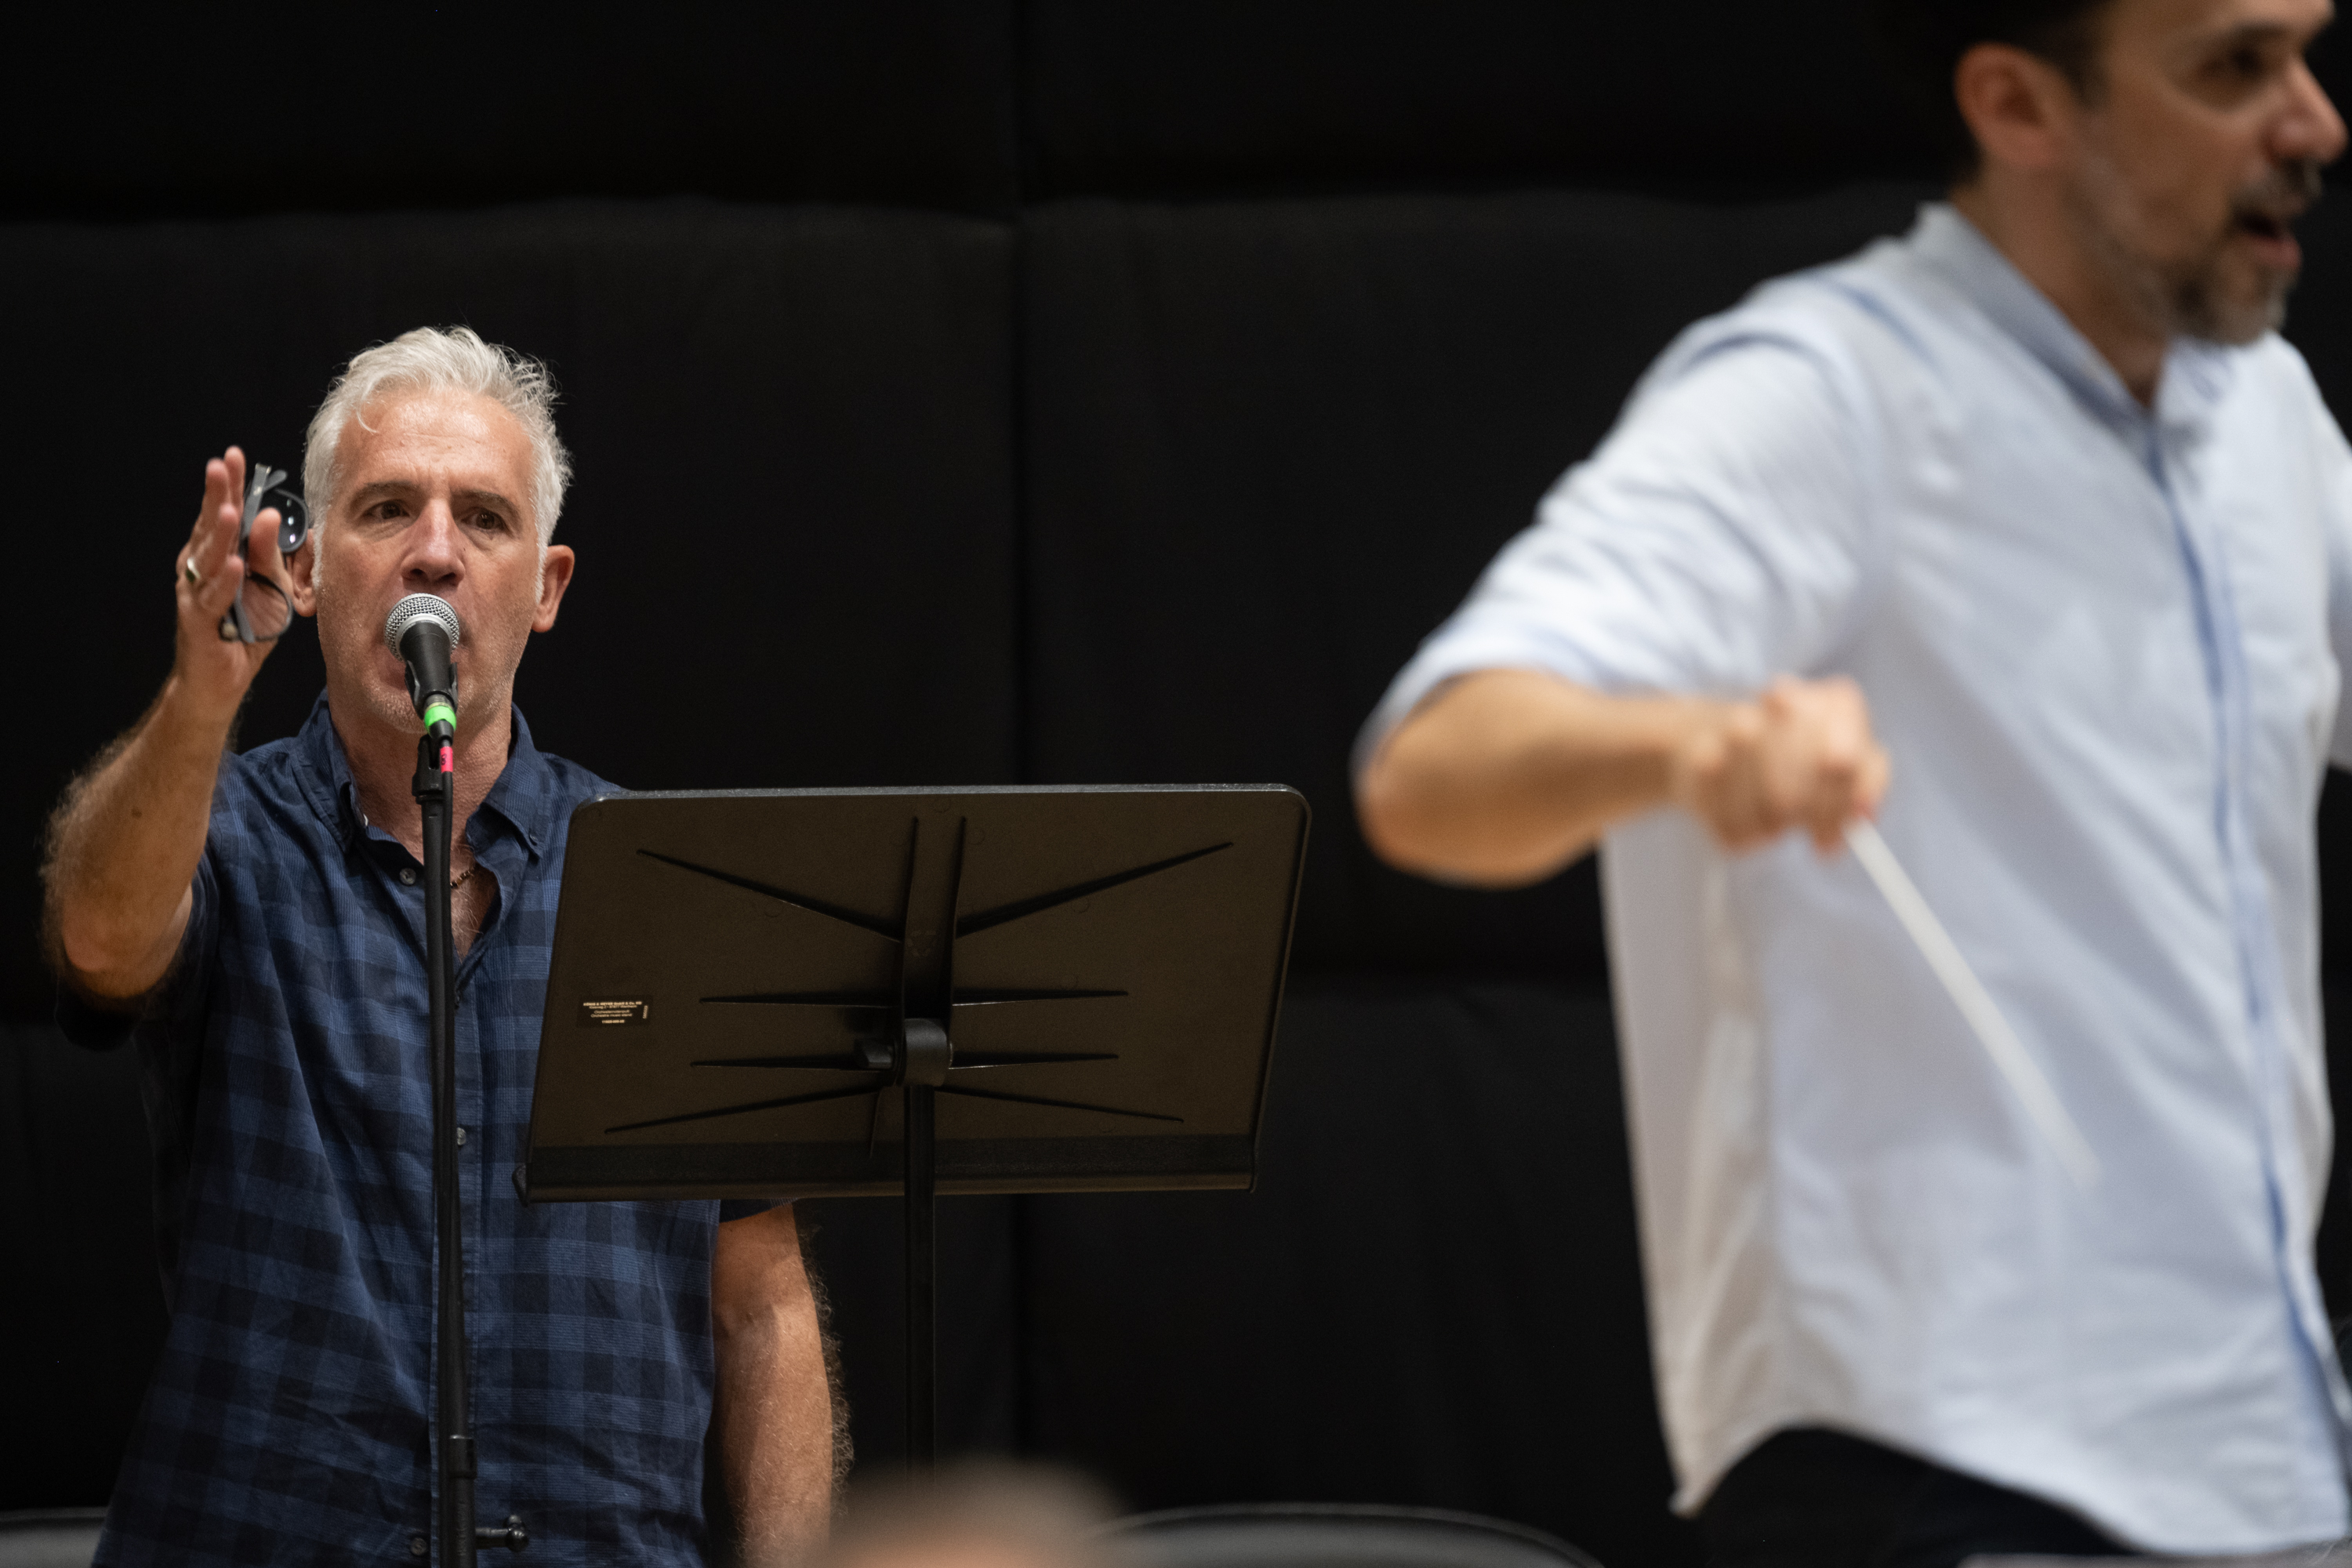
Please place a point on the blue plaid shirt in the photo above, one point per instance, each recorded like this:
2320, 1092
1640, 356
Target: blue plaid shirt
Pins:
288, 1093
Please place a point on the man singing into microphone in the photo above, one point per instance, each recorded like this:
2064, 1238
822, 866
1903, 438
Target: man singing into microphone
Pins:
254, 922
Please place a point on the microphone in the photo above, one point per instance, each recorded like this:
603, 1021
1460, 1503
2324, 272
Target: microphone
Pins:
422, 630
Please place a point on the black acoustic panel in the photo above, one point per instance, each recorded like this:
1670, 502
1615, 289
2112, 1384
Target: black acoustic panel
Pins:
1434, 1296
81, 1303
128, 110
792, 508
1158, 97
1270, 446
2332, 1248
2319, 314
2335, 882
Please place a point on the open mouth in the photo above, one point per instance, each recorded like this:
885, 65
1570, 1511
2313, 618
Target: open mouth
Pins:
2263, 226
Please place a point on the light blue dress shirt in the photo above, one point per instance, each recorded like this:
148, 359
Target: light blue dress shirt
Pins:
2101, 645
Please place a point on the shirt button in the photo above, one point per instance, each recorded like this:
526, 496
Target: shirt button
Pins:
408, 877
416, 1546
461, 1137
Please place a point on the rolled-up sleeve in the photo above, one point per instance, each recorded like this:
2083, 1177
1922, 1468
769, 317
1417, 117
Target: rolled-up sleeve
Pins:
1718, 537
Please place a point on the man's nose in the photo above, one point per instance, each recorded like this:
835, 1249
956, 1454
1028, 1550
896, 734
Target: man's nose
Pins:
432, 557
2311, 128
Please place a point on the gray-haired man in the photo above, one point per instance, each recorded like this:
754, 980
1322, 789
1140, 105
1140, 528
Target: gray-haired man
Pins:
255, 923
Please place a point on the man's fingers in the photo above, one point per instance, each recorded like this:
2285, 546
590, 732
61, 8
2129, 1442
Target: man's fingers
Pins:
210, 574
1878, 772
1837, 770
214, 534
261, 557
1801, 756
220, 589
214, 543
216, 487
209, 596
1852, 780
210, 570
203, 549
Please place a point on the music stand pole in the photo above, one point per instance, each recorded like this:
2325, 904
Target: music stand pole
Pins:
922, 1282
921, 1058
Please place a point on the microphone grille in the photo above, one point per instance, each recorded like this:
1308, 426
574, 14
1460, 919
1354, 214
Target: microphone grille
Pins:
414, 608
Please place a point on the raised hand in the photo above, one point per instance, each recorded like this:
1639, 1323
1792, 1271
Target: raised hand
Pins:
208, 575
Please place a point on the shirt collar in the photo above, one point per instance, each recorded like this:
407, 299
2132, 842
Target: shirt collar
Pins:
2196, 374
522, 800
524, 796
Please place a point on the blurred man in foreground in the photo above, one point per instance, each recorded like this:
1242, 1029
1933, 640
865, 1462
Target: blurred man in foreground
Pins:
254, 922
2034, 502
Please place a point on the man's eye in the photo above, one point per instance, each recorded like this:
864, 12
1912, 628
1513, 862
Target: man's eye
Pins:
2244, 64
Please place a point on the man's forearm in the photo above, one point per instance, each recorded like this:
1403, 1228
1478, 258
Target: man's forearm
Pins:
1507, 775
773, 1400
126, 843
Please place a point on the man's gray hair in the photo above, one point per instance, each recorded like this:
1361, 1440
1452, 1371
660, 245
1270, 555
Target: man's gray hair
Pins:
431, 359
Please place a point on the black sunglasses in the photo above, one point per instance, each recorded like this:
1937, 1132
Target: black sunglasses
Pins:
261, 611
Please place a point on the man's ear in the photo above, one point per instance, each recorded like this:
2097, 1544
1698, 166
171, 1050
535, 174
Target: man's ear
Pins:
301, 568
2017, 105
555, 577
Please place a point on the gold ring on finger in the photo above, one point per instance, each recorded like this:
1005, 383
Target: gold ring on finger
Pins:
188, 569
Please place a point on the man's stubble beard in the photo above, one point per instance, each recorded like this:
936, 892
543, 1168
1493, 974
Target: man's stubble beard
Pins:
2191, 299
391, 708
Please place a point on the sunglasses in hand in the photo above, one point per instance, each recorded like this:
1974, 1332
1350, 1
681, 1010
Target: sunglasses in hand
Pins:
262, 612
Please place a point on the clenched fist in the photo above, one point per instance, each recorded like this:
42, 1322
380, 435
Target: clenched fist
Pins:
1801, 756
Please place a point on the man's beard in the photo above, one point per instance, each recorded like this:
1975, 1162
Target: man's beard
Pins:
2194, 298
391, 708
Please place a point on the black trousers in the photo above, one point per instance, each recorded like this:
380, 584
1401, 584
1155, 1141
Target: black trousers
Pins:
1808, 1498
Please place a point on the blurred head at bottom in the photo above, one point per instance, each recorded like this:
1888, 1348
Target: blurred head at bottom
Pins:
975, 1515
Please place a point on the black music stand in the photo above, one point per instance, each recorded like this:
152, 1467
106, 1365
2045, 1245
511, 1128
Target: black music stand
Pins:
769, 993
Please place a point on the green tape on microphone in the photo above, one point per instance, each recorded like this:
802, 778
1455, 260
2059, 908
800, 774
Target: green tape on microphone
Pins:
440, 713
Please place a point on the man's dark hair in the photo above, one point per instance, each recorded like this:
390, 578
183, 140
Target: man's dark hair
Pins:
1924, 40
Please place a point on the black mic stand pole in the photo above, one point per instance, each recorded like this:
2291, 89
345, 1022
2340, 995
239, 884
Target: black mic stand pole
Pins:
435, 791
454, 1445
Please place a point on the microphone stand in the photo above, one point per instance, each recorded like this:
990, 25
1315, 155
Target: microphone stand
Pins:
436, 790
454, 1445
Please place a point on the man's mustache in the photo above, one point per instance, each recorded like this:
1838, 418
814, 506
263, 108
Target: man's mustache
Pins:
2284, 194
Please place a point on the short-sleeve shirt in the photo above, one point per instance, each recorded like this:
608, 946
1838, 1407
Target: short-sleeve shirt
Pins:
288, 1088
2100, 642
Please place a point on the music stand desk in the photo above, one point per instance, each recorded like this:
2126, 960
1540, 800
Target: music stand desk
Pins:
859, 993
